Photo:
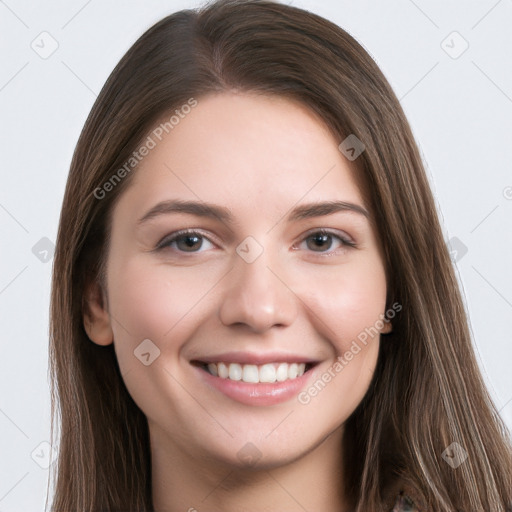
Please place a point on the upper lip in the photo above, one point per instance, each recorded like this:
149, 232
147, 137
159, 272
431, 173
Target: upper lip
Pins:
255, 358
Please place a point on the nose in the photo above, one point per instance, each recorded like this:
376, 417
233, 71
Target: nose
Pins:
257, 296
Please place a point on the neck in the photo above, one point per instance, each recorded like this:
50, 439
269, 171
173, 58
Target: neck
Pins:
182, 483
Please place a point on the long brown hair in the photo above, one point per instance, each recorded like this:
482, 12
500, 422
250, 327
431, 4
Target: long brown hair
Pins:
427, 391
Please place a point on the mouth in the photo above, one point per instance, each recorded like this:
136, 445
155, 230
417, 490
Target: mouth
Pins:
255, 379
267, 373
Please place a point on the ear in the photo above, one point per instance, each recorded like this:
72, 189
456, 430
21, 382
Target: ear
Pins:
95, 315
388, 327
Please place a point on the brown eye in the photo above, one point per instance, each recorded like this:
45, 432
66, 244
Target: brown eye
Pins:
188, 241
319, 242
325, 242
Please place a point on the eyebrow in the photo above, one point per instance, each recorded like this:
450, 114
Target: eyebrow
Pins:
202, 209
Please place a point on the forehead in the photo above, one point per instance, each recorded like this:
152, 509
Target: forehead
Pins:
245, 150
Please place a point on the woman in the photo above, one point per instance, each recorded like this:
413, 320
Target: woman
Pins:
253, 307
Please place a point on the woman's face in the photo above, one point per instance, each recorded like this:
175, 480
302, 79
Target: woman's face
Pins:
256, 291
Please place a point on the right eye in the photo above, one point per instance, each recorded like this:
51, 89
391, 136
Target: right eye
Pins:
185, 241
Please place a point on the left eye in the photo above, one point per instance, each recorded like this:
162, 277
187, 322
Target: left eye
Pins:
322, 241
187, 241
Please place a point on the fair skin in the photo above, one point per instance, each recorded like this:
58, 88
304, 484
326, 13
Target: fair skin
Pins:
304, 298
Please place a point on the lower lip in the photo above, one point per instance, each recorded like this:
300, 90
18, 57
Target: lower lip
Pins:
261, 393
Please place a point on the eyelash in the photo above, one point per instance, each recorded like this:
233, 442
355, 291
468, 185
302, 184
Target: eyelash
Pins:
167, 241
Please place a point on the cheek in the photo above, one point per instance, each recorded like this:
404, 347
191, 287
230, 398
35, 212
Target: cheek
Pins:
148, 302
349, 301
140, 304
346, 310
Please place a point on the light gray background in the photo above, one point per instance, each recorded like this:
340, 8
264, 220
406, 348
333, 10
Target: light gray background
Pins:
459, 107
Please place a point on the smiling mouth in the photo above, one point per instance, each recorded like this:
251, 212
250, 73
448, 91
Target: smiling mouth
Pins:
254, 374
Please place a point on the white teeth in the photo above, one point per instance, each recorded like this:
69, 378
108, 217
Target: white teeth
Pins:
250, 373
267, 373
235, 371
222, 370
270, 372
282, 372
